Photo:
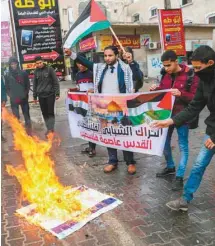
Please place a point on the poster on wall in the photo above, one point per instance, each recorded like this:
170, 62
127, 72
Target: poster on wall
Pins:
6, 51
172, 31
38, 33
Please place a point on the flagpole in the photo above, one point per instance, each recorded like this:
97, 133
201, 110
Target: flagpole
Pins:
114, 34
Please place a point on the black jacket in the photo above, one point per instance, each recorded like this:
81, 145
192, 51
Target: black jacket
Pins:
45, 83
205, 95
17, 85
137, 75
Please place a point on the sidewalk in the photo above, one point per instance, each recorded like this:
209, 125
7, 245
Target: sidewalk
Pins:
142, 219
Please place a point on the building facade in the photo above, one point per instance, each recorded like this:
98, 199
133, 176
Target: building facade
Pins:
136, 24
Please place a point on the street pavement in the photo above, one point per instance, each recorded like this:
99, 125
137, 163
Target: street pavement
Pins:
142, 219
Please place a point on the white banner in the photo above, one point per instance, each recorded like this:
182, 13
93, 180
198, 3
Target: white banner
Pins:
121, 121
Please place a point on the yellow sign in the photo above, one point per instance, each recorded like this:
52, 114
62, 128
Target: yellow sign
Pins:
105, 41
31, 4
173, 29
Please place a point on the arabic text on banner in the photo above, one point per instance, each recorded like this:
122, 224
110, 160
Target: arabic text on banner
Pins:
121, 121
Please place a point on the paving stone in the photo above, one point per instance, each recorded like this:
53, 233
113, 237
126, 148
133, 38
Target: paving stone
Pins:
143, 218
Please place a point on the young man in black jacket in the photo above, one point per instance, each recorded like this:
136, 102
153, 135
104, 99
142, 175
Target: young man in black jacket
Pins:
46, 88
17, 87
203, 61
138, 76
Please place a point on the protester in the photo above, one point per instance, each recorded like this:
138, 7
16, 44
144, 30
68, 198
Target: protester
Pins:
113, 76
84, 82
17, 87
138, 76
46, 88
203, 61
3, 103
184, 84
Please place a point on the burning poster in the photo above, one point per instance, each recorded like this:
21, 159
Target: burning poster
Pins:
121, 121
94, 204
58, 209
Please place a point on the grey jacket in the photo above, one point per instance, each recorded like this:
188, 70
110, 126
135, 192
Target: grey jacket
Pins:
45, 83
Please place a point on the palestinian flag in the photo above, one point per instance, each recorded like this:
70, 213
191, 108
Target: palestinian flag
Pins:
148, 107
91, 20
78, 103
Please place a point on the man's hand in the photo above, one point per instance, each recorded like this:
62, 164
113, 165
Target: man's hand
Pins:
90, 91
209, 144
68, 52
3, 103
176, 92
161, 123
57, 97
153, 87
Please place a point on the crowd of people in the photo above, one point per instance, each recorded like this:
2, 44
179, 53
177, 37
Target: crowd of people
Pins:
193, 88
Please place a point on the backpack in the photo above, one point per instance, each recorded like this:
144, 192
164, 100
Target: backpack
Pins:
194, 123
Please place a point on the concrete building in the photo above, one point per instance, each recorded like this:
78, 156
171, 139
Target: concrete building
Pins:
137, 21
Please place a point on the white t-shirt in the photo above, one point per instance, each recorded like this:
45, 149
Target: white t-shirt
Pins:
110, 83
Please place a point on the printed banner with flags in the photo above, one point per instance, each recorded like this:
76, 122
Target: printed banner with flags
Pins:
91, 20
121, 121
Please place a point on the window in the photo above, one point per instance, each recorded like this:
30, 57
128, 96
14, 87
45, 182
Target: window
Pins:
64, 11
136, 17
184, 2
211, 20
153, 12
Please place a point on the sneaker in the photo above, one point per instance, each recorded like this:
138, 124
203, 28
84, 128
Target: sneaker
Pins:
166, 171
178, 184
179, 204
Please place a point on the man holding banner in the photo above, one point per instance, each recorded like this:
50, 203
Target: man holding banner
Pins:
184, 84
114, 76
203, 61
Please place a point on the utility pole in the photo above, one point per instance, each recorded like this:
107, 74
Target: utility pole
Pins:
167, 4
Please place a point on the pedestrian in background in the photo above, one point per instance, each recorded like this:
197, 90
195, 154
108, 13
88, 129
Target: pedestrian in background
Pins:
46, 88
17, 87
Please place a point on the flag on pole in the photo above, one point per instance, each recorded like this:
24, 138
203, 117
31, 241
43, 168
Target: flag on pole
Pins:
149, 107
91, 20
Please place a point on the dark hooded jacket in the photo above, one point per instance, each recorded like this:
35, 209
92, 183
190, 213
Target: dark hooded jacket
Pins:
17, 83
205, 96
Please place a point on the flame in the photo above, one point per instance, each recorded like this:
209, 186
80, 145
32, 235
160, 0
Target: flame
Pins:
39, 183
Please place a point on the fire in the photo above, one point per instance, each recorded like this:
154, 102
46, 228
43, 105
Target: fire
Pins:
39, 183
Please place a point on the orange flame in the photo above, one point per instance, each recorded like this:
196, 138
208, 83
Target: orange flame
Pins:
37, 177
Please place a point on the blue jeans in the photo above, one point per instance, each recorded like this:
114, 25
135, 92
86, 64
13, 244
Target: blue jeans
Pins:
183, 133
203, 160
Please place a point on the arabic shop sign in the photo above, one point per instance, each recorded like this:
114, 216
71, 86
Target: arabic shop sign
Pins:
132, 41
38, 33
172, 31
88, 44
